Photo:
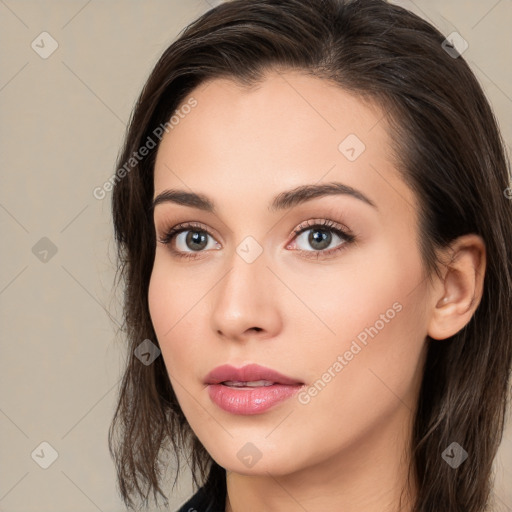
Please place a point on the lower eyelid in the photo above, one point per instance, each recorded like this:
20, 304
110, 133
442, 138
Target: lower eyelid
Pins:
346, 240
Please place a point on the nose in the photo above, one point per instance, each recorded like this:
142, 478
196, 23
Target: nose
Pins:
246, 301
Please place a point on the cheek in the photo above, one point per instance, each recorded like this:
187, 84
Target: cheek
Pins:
370, 367
172, 306
362, 385
160, 298
369, 308
340, 302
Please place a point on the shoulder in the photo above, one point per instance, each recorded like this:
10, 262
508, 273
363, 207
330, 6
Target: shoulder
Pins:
200, 502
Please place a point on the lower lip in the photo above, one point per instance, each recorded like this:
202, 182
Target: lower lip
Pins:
250, 401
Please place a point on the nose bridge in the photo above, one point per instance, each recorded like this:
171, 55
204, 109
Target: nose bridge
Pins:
244, 299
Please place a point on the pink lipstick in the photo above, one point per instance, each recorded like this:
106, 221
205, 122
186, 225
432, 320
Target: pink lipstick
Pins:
252, 389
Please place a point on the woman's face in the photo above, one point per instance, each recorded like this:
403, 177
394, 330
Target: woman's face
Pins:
343, 316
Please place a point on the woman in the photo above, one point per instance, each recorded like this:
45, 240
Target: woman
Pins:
315, 239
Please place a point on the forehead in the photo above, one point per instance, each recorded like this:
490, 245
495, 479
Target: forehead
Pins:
306, 106
287, 130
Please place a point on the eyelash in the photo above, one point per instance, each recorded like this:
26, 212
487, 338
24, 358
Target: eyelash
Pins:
325, 225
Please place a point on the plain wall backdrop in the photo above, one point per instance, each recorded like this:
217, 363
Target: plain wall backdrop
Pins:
63, 117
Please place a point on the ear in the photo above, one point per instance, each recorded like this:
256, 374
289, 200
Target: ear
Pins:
458, 292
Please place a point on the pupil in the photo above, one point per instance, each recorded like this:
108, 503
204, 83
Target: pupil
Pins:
196, 237
323, 239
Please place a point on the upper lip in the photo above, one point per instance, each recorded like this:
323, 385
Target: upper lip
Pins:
248, 373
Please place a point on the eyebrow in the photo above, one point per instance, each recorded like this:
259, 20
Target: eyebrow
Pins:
283, 201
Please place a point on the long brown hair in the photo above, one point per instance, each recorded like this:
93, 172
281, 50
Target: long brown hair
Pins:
448, 149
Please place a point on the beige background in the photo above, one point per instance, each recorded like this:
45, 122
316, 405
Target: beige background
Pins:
62, 122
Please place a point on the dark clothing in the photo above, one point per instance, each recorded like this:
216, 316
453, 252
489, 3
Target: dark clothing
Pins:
201, 502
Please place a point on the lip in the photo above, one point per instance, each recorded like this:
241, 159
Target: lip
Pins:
247, 401
250, 372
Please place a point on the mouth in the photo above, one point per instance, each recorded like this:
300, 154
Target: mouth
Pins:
247, 385
252, 389
252, 375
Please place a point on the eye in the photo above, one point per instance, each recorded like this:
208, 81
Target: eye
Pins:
189, 239
319, 236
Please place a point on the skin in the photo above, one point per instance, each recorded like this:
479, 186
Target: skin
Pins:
347, 448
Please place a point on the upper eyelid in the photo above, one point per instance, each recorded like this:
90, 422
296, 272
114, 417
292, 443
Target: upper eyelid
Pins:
324, 223
308, 224
180, 227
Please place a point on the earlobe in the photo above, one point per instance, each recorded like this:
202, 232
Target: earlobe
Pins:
459, 290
